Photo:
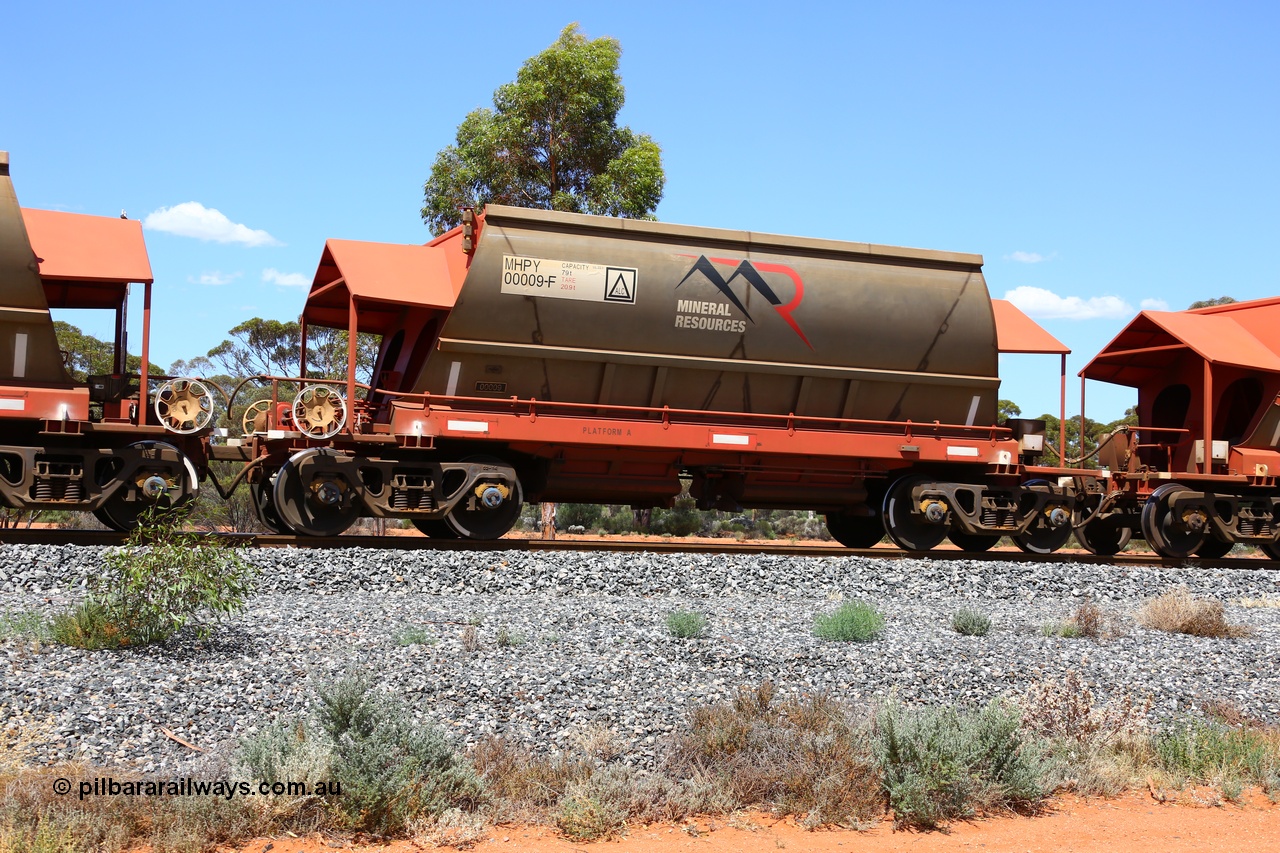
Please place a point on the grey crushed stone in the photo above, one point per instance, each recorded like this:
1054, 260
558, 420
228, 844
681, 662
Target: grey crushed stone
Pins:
591, 645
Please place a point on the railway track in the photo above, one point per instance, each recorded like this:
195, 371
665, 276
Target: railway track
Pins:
423, 543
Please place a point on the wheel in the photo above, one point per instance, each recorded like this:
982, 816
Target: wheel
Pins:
484, 522
319, 411
1272, 550
906, 524
435, 528
249, 421
1159, 527
1042, 537
106, 519
975, 542
184, 406
1214, 548
154, 481
855, 531
262, 501
315, 493
1105, 540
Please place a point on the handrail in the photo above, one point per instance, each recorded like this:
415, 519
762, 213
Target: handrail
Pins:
535, 408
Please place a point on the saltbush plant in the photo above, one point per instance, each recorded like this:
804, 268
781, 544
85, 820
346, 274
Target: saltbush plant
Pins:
971, 623
856, 621
392, 770
161, 581
939, 764
686, 624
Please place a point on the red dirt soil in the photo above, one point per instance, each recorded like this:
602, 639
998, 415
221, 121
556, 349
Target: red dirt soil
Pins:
1133, 823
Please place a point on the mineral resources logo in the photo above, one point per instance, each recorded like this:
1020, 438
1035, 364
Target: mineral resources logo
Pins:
717, 316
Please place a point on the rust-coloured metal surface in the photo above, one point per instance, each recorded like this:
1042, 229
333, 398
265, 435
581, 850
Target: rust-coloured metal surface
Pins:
78, 247
1018, 333
383, 278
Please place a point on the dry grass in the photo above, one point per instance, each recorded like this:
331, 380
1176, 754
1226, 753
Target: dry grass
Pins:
801, 757
1087, 620
1179, 612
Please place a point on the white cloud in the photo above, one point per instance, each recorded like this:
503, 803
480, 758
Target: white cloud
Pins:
1045, 304
217, 278
1154, 305
285, 279
1025, 257
193, 219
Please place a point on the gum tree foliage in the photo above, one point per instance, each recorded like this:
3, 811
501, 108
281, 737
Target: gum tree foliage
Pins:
271, 347
551, 141
1209, 303
85, 355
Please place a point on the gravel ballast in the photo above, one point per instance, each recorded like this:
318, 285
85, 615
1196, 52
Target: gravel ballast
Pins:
542, 647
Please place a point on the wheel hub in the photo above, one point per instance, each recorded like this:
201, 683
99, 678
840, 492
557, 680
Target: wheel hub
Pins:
934, 510
154, 486
492, 497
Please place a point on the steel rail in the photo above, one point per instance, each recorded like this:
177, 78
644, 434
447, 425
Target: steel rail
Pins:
24, 536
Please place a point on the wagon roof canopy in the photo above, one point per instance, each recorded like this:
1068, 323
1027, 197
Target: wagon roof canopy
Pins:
86, 261
1018, 333
382, 278
1241, 334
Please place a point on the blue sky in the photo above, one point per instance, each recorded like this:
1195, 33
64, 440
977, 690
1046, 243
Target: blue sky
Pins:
1100, 156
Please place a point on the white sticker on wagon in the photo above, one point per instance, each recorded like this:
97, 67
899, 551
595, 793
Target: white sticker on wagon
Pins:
468, 426
8, 404
568, 280
962, 451
722, 438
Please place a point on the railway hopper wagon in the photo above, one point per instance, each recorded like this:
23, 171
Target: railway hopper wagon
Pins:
98, 445
1199, 474
533, 355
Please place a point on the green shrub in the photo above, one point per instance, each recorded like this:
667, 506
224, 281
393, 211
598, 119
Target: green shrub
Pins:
586, 515
1210, 752
391, 770
686, 624
941, 764
856, 621
413, 635
971, 623
161, 581
505, 639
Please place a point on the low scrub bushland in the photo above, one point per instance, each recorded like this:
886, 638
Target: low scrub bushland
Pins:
812, 757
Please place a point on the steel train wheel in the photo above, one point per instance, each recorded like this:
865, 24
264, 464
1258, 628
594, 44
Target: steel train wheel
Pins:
853, 531
1159, 526
267, 514
311, 506
1042, 537
436, 528
1214, 548
974, 542
908, 529
107, 520
1105, 540
485, 523
1272, 550
121, 513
